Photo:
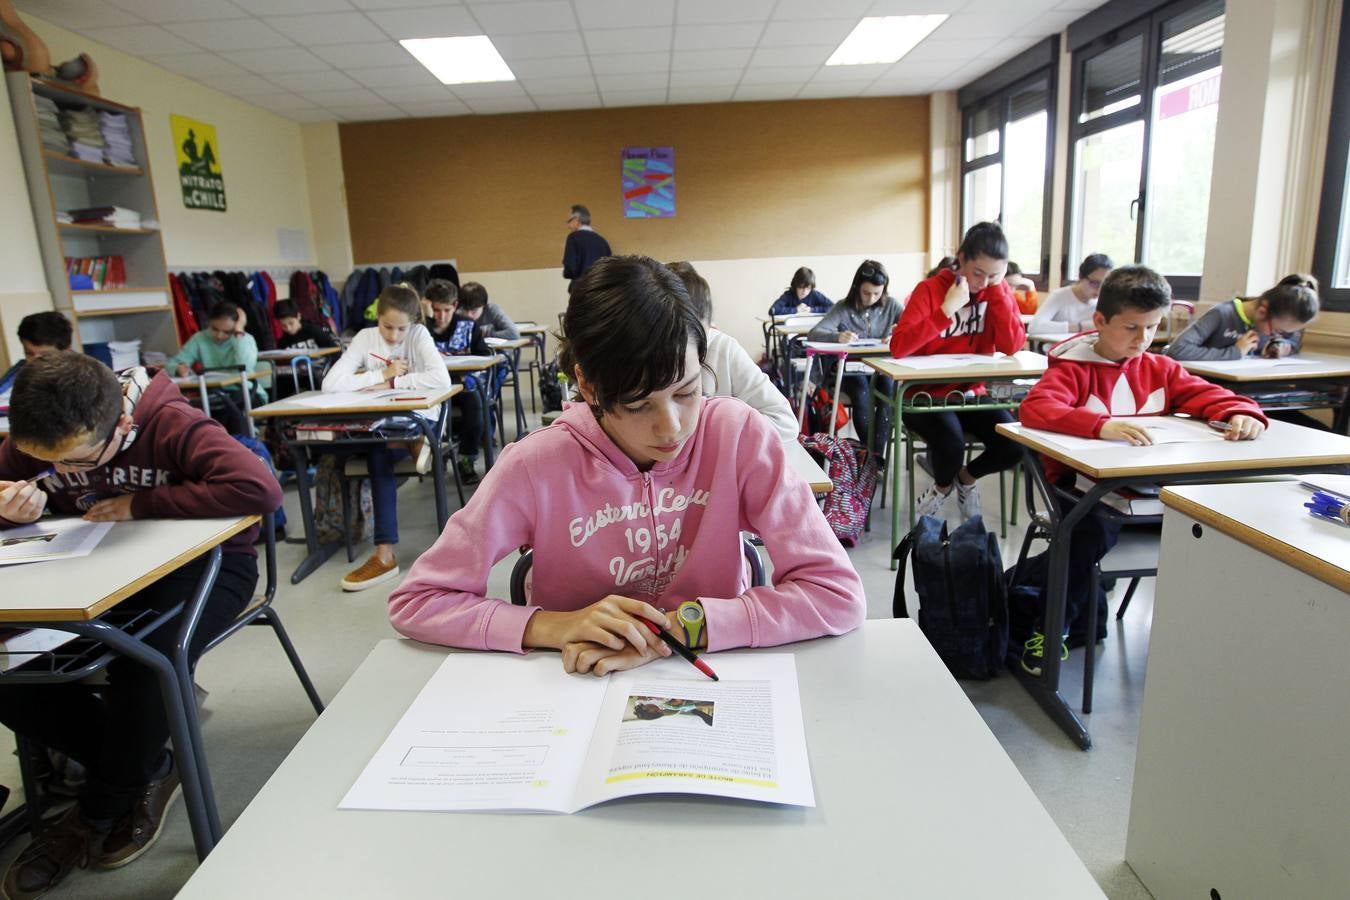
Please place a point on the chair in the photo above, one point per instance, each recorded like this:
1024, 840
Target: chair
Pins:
521, 571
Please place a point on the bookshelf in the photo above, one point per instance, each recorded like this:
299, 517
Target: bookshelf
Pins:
143, 309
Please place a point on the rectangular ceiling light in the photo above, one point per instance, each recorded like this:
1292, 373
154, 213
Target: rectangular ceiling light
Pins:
882, 39
460, 60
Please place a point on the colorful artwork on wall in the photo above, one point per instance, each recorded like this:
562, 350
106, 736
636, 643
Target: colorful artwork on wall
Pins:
648, 182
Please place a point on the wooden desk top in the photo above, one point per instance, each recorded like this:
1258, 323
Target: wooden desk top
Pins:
130, 556
1316, 365
283, 355
804, 465
1023, 363
292, 409
911, 786
1282, 447
530, 328
474, 363
1269, 517
213, 380
506, 344
796, 330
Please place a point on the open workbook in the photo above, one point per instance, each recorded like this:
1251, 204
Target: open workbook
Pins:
506, 732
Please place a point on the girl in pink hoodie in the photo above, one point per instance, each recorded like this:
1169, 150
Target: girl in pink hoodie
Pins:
633, 502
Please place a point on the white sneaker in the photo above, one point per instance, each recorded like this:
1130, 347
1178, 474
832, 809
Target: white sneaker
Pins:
968, 498
931, 502
422, 456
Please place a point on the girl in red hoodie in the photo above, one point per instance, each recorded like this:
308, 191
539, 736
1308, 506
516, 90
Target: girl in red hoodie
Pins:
967, 309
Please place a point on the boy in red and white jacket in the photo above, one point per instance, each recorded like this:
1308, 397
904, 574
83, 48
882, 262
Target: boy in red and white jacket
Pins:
1098, 375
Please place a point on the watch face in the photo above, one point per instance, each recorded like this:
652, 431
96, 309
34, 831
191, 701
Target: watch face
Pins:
691, 614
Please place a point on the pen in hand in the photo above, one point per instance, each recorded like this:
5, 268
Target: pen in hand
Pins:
681, 649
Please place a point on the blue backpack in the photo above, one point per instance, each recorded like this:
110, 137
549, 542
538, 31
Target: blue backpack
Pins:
260, 450
963, 597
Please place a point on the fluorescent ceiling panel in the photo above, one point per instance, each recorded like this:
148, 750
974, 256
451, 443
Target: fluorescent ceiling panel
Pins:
460, 60
883, 39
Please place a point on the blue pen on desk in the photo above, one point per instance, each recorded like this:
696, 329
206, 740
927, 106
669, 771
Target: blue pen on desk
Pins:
1329, 507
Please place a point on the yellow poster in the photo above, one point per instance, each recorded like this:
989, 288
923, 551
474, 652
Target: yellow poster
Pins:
198, 153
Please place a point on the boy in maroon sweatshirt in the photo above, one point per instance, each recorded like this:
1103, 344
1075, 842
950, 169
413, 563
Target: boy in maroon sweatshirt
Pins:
122, 448
1098, 375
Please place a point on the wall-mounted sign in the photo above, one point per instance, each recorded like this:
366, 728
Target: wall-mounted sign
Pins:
198, 153
648, 182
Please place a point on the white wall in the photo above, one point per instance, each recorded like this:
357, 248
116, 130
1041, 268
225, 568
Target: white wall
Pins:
327, 198
23, 285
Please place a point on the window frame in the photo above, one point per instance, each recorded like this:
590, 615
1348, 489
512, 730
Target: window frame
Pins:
1149, 24
1334, 190
997, 89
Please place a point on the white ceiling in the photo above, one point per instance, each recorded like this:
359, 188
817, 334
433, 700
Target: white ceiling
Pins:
322, 60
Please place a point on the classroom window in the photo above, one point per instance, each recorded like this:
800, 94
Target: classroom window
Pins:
1146, 104
1331, 252
1007, 136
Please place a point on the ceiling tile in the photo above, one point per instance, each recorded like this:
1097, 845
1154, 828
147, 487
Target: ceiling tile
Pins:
373, 113
502, 105
401, 4
705, 78
161, 11
931, 69
452, 21
833, 89
787, 75
687, 60
627, 40
236, 34
142, 40
292, 7
309, 115
770, 57
560, 67
624, 13
394, 76
197, 65
272, 62
524, 18
633, 98
493, 90
332, 80
365, 56
702, 12
326, 28
450, 107
576, 84
621, 63
281, 102
814, 9
765, 92
918, 7
633, 81
569, 101
335, 99
834, 74
421, 93
539, 46
701, 94
79, 15
942, 50
242, 85
901, 88
715, 37
806, 34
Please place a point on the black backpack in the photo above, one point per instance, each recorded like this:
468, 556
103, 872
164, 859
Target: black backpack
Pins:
550, 389
963, 598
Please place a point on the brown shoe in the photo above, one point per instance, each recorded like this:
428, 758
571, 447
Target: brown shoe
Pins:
137, 831
369, 573
67, 843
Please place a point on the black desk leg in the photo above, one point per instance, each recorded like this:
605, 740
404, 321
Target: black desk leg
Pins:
437, 470
187, 628
520, 404
317, 554
485, 391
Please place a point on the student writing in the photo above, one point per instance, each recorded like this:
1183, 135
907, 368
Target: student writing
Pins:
1068, 310
224, 344
458, 334
1091, 380
296, 333
633, 502
1270, 325
801, 296
39, 334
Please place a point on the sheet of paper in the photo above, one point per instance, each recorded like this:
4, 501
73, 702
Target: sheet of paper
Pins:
50, 539
1163, 430
947, 360
836, 347
468, 360
1258, 366
340, 399
666, 728
489, 731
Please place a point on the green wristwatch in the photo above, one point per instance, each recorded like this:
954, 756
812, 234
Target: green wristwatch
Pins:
690, 615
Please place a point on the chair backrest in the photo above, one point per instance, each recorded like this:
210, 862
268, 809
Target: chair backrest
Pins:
520, 572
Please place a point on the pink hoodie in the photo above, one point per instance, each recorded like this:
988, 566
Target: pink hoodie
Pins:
599, 526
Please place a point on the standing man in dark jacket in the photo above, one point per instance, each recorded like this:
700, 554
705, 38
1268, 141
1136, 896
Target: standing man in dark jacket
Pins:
584, 245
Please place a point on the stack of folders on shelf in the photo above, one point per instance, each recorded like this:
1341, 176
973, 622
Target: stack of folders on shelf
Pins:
334, 431
112, 216
49, 126
86, 137
1137, 501
117, 139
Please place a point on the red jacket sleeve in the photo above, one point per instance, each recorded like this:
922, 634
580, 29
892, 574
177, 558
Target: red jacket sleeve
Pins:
921, 322
1202, 399
1004, 321
1055, 403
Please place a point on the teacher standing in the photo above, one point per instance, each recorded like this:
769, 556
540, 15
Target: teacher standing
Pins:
584, 246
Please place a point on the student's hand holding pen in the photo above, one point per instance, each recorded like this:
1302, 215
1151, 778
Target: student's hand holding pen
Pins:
1240, 428
1129, 432
958, 295
608, 627
21, 502
395, 368
1247, 343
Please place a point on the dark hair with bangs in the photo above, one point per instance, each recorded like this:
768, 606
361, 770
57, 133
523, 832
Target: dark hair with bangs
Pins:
441, 291
874, 273
628, 324
60, 397
46, 329
1133, 287
983, 239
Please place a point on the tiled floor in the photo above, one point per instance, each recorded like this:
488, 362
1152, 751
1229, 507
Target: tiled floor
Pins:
256, 710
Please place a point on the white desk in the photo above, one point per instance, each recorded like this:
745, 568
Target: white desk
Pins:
1283, 448
216, 380
805, 465
1314, 368
914, 795
280, 361
460, 365
1240, 782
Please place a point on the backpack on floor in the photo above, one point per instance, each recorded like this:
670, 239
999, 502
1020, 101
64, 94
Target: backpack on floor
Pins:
259, 449
963, 600
854, 473
328, 502
550, 389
